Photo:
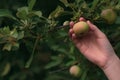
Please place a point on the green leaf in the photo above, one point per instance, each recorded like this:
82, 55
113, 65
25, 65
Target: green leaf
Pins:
5, 30
31, 3
84, 75
14, 33
38, 13
56, 12
6, 13
94, 4
79, 2
7, 47
6, 69
20, 35
35, 13
53, 63
22, 13
70, 63
65, 2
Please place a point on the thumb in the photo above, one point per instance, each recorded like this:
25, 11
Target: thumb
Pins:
97, 32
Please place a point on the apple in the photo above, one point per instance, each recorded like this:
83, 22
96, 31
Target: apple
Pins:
66, 23
109, 15
80, 28
75, 71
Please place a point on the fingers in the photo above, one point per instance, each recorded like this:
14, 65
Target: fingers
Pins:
71, 32
73, 36
95, 30
82, 19
71, 24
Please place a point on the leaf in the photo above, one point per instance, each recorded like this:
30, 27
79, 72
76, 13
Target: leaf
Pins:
94, 4
20, 35
5, 30
7, 47
65, 2
70, 63
14, 33
53, 63
31, 3
84, 75
6, 13
79, 2
35, 13
38, 13
56, 12
22, 13
6, 69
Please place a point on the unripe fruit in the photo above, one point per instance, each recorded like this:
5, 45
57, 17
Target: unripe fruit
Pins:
66, 23
80, 28
109, 15
75, 71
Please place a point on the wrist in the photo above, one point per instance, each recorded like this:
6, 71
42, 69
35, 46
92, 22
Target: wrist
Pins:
111, 62
112, 68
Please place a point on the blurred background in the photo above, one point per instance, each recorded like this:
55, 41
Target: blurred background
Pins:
50, 55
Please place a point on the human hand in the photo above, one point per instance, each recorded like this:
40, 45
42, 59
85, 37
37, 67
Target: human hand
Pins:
94, 45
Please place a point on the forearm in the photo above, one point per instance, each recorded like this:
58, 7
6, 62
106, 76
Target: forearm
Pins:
112, 70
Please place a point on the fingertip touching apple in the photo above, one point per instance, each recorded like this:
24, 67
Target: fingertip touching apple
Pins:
80, 28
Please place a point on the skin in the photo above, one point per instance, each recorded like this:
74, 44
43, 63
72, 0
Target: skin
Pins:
96, 47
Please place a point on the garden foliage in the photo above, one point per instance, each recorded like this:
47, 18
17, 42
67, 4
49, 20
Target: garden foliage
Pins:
34, 40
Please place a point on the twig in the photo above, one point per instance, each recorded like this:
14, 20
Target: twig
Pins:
27, 65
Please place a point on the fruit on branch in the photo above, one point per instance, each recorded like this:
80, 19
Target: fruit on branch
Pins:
66, 23
109, 15
75, 71
80, 28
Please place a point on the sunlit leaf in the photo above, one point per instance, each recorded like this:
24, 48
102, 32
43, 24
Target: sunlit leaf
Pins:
14, 33
35, 13
31, 3
56, 12
7, 47
20, 35
22, 12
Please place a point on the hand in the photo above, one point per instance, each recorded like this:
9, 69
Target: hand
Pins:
94, 45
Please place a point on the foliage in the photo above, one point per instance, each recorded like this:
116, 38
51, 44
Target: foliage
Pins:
34, 41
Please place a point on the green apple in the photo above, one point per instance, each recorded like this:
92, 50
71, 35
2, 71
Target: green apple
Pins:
109, 15
80, 28
66, 23
75, 71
